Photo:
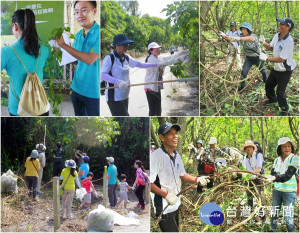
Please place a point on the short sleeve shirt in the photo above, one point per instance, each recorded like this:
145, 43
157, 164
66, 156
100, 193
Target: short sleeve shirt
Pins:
70, 185
30, 169
165, 172
16, 71
86, 81
119, 70
112, 173
283, 48
86, 183
84, 167
123, 186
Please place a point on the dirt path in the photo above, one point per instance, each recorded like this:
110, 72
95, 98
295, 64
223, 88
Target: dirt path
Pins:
18, 214
184, 103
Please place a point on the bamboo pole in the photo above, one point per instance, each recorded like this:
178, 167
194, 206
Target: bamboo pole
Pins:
105, 188
156, 82
56, 203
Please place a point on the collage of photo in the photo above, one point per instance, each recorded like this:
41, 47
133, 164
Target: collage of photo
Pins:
150, 116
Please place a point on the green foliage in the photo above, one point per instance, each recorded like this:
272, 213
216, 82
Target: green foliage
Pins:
179, 70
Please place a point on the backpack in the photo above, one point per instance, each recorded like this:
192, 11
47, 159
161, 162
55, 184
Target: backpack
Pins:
112, 58
145, 178
58, 155
33, 98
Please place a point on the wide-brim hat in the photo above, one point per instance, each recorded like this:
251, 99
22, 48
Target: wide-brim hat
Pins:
165, 127
153, 45
199, 142
286, 21
248, 143
41, 147
284, 140
121, 39
70, 163
34, 154
246, 25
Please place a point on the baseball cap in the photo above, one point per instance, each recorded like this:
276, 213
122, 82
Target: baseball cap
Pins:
110, 159
153, 45
286, 21
165, 127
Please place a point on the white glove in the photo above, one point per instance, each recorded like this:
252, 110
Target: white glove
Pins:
134, 187
123, 85
262, 39
222, 34
253, 177
203, 180
171, 198
270, 178
235, 39
191, 146
96, 195
219, 164
263, 56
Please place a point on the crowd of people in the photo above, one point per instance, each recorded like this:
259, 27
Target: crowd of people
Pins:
167, 171
69, 177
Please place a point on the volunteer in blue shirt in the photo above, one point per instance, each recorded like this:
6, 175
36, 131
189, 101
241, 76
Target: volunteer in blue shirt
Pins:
29, 50
282, 46
112, 175
116, 73
84, 168
86, 48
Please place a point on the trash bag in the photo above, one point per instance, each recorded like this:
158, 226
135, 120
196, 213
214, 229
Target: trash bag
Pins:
101, 220
80, 193
132, 215
9, 182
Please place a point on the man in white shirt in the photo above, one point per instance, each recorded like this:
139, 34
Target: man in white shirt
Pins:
282, 46
167, 171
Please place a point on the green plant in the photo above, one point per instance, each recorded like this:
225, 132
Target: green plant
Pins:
179, 70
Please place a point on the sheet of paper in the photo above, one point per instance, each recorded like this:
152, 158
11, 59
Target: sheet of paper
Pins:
66, 57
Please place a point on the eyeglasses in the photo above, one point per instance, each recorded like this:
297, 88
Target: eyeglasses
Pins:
83, 11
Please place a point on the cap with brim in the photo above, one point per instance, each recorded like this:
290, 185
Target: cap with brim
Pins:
121, 39
212, 140
165, 127
233, 24
153, 45
110, 159
286, 21
248, 143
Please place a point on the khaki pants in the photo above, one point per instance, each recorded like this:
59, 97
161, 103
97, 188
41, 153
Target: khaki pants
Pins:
40, 180
67, 199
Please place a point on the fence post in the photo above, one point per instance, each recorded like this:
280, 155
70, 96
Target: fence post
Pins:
105, 188
56, 203
147, 190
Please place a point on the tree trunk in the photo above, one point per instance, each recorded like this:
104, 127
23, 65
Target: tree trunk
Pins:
276, 8
153, 136
263, 137
293, 123
288, 9
251, 129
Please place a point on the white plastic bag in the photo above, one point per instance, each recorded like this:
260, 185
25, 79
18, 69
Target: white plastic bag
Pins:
9, 182
80, 193
132, 215
100, 220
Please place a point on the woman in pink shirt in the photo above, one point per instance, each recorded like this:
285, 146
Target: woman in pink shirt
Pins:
139, 184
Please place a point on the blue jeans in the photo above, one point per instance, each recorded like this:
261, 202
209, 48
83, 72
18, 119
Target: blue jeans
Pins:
288, 199
85, 106
250, 61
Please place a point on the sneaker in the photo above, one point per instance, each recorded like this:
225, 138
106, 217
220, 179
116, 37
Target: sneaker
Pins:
88, 209
36, 199
142, 207
39, 193
81, 207
69, 217
139, 205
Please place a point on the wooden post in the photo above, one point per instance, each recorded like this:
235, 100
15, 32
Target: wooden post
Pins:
56, 203
147, 189
105, 188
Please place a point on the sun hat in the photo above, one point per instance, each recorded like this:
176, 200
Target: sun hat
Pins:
70, 163
110, 159
121, 39
34, 154
248, 143
246, 25
212, 140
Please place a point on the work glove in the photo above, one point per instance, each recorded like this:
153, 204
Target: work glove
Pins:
270, 178
253, 177
263, 56
191, 146
134, 187
123, 85
96, 195
235, 39
203, 180
171, 198
219, 164
262, 39
222, 34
